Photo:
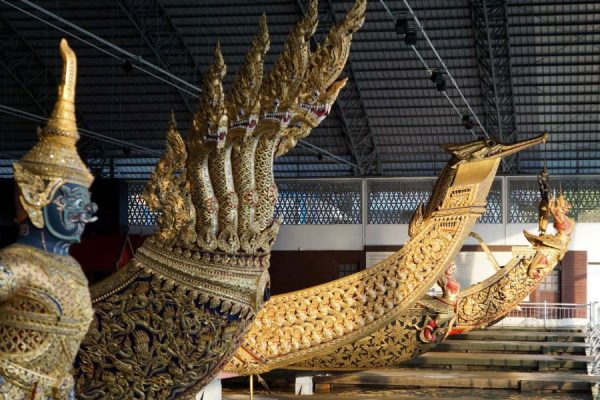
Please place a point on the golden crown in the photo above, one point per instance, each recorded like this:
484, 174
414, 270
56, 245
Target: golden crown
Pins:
53, 160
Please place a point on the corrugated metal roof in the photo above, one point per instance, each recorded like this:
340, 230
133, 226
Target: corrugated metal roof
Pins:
554, 59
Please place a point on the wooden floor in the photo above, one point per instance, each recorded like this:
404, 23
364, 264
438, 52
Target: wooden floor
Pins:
524, 381
433, 394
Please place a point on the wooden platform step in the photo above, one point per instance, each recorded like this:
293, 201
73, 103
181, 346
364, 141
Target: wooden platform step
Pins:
499, 327
508, 346
462, 360
525, 381
523, 335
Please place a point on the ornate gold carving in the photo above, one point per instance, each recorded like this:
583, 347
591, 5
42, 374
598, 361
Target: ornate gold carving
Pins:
315, 321
45, 310
243, 100
319, 89
490, 300
479, 306
168, 186
281, 88
167, 322
243, 103
408, 336
209, 128
160, 335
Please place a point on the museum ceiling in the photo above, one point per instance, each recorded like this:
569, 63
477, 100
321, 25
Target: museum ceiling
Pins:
389, 120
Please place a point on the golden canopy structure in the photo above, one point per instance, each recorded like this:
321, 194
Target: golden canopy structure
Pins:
167, 322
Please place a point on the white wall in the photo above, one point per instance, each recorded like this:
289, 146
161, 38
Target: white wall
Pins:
473, 267
320, 237
351, 237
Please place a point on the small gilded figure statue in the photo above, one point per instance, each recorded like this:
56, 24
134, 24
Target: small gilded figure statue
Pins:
450, 286
45, 305
543, 206
560, 207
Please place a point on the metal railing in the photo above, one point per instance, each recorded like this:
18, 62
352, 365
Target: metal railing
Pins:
593, 340
563, 315
548, 315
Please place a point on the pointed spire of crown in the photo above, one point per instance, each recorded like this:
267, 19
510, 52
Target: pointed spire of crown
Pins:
53, 160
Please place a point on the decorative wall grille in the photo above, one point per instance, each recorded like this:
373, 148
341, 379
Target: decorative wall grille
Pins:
523, 200
319, 202
582, 193
138, 213
394, 202
493, 210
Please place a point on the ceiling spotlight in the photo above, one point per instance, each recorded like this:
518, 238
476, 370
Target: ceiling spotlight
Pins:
405, 29
401, 25
127, 66
410, 39
467, 123
439, 78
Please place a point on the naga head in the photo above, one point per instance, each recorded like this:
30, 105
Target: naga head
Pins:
320, 87
209, 125
281, 86
243, 100
487, 149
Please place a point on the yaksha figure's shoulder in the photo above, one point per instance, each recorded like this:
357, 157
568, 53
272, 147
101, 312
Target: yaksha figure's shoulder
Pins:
8, 281
17, 254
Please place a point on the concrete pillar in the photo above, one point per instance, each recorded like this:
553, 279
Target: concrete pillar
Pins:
212, 391
304, 385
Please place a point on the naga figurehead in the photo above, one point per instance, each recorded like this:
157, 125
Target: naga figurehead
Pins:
477, 150
243, 100
281, 86
487, 149
209, 125
320, 87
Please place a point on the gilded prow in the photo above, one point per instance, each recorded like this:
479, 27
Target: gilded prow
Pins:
204, 288
477, 150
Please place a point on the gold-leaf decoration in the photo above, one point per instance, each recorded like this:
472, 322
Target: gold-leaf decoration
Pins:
167, 192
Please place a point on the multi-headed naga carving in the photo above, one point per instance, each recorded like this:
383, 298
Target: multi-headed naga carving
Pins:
167, 322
